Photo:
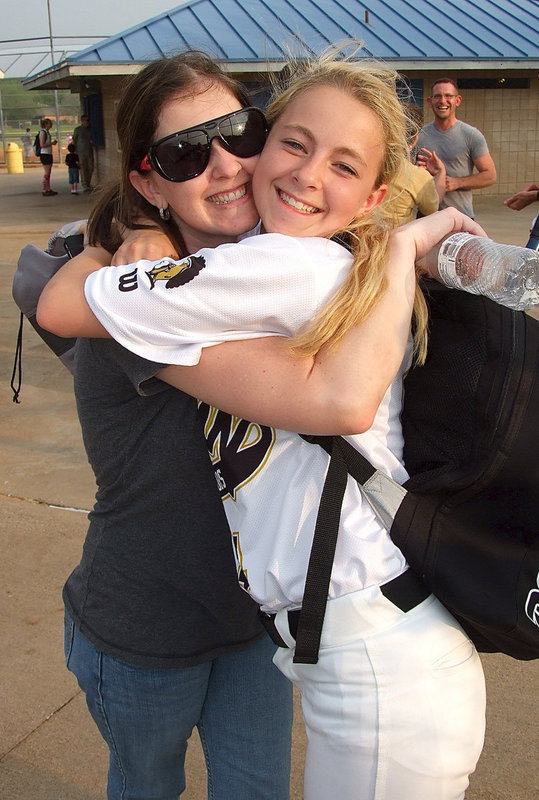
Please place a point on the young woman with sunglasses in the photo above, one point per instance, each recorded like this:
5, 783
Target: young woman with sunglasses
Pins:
395, 705
158, 633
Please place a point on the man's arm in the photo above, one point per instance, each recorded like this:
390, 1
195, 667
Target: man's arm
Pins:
485, 176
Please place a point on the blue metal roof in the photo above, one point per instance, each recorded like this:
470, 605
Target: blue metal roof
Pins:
262, 31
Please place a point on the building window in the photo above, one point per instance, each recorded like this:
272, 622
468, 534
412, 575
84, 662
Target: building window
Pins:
413, 86
493, 83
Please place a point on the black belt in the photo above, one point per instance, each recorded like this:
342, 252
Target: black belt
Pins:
405, 591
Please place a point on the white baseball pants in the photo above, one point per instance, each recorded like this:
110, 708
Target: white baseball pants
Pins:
395, 707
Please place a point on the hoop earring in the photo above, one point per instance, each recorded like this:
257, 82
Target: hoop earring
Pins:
164, 213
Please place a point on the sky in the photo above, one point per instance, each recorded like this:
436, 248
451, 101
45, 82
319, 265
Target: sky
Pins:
71, 22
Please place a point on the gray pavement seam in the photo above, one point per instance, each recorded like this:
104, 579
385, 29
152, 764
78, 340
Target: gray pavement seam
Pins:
39, 725
39, 502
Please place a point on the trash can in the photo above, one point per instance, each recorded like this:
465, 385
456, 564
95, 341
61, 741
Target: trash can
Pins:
14, 159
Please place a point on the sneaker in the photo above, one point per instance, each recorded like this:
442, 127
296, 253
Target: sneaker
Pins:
49, 193
74, 191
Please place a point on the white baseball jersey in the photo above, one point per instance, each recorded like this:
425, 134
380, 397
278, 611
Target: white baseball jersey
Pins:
270, 480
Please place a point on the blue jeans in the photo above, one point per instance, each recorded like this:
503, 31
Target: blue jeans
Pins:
240, 703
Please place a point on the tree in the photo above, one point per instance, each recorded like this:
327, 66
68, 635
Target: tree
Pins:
21, 106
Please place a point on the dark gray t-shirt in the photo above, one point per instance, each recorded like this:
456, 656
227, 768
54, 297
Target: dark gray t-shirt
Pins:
458, 147
157, 583
82, 139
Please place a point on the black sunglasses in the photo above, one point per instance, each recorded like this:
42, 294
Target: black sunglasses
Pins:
185, 154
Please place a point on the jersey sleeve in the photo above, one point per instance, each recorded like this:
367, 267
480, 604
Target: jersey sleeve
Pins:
167, 311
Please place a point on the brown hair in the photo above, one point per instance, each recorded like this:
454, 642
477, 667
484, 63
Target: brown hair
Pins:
452, 81
179, 77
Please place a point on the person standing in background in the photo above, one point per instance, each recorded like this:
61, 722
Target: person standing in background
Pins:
414, 191
460, 146
27, 141
72, 161
45, 155
82, 139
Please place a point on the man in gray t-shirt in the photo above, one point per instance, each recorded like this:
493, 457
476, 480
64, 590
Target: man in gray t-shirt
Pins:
82, 139
460, 146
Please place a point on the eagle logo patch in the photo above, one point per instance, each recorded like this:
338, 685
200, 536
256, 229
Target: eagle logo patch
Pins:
176, 273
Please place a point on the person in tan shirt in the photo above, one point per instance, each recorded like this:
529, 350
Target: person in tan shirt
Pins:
414, 190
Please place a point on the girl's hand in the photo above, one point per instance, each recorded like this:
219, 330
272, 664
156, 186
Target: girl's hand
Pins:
151, 244
425, 236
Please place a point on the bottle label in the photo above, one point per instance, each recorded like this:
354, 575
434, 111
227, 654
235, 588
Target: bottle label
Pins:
453, 270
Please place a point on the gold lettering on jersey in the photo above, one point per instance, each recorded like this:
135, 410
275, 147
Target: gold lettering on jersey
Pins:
243, 579
238, 449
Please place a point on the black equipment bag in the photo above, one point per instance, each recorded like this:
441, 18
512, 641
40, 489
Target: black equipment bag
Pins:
467, 520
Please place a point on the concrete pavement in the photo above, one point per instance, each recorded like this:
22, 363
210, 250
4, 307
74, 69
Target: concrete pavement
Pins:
49, 749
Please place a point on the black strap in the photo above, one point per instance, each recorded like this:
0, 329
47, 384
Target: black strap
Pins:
355, 463
17, 365
318, 577
344, 460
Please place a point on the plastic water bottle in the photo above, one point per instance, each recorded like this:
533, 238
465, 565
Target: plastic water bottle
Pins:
505, 273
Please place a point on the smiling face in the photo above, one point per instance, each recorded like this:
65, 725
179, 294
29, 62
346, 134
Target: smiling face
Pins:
444, 102
216, 206
320, 166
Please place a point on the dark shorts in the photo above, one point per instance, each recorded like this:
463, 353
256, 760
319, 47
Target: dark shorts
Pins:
45, 158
